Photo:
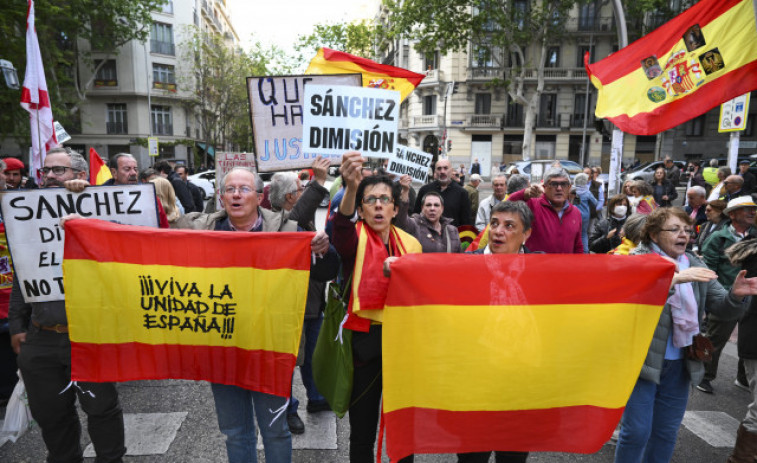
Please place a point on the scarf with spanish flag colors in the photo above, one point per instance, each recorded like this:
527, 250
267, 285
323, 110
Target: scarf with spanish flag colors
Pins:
703, 57
369, 284
201, 305
538, 352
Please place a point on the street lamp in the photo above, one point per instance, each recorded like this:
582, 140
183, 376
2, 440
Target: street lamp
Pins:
9, 72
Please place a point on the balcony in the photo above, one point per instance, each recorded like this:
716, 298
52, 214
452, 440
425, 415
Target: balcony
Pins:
551, 74
514, 120
116, 128
484, 74
483, 121
420, 122
547, 122
577, 120
162, 129
164, 48
433, 76
589, 24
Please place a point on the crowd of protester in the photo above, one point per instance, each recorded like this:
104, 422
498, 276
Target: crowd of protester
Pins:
375, 219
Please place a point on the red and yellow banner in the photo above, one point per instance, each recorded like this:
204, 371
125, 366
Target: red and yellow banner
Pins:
535, 352
375, 75
155, 304
698, 60
99, 173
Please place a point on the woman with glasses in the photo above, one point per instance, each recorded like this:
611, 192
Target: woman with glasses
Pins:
655, 409
364, 245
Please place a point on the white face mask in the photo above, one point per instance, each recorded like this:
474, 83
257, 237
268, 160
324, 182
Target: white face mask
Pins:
620, 211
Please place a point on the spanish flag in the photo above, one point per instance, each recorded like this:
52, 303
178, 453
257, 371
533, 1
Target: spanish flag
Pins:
98, 171
375, 75
215, 306
698, 60
538, 352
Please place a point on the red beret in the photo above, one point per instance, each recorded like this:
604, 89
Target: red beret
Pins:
13, 164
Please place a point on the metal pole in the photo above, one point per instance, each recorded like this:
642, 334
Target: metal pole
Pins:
733, 150
149, 101
586, 110
616, 154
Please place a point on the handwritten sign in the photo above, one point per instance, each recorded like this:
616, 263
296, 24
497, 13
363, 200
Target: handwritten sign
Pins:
276, 108
341, 119
35, 237
412, 162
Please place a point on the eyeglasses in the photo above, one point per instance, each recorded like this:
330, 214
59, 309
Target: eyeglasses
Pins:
677, 231
57, 170
558, 184
371, 200
243, 190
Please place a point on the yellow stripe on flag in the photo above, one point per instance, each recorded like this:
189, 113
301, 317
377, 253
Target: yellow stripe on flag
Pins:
514, 357
116, 313
734, 31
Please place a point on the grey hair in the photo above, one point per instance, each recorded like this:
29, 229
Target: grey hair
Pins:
513, 207
645, 189
555, 172
77, 160
282, 183
258, 180
113, 162
634, 226
581, 179
698, 190
726, 171
517, 182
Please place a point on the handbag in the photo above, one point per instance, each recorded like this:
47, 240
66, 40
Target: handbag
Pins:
701, 349
332, 358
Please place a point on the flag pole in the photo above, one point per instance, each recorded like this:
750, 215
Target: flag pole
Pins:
616, 147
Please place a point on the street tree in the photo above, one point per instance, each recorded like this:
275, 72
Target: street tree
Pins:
356, 38
494, 31
69, 32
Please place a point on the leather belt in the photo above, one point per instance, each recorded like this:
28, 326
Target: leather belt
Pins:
55, 328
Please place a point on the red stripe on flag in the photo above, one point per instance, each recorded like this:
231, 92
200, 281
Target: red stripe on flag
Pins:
257, 370
728, 86
506, 279
660, 39
102, 241
372, 66
579, 429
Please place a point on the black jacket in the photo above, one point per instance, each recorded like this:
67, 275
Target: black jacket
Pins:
182, 192
669, 190
456, 202
598, 241
194, 190
750, 183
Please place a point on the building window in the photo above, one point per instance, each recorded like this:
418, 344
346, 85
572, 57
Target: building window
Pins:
579, 109
548, 110
482, 56
429, 105
514, 114
167, 7
588, 16
431, 61
163, 77
520, 13
161, 39
512, 144
514, 59
106, 76
553, 57
116, 121
483, 103
695, 127
162, 123
581, 52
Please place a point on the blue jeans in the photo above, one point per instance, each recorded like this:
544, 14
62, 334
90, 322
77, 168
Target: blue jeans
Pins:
236, 409
653, 415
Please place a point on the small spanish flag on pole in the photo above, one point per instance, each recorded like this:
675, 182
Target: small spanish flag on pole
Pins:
701, 58
375, 75
520, 357
98, 171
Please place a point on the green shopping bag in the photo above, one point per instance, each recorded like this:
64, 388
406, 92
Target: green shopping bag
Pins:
332, 358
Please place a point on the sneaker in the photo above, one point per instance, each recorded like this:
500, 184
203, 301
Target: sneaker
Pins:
315, 407
741, 385
296, 426
705, 386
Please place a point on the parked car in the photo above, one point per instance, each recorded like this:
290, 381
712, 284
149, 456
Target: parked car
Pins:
206, 181
535, 169
646, 171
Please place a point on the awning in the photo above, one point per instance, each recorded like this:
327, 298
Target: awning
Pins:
211, 151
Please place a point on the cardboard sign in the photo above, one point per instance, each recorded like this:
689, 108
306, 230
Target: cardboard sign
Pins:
35, 237
276, 109
227, 161
415, 163
342, 119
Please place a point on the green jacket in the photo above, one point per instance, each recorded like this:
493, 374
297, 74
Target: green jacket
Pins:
713, 253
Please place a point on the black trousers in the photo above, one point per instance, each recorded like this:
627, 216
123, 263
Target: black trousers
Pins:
499, 457
719, 332
45, 363
8, 367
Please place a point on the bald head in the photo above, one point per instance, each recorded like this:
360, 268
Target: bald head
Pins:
442, 172
733, 183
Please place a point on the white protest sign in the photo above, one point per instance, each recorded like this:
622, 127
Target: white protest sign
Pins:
341, 119
276, 108
412, 162
35, 237
227, 161
60, 133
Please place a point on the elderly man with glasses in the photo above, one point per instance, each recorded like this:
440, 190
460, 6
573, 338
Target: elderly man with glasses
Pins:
557, 223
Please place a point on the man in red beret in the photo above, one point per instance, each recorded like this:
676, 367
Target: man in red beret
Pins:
14, 176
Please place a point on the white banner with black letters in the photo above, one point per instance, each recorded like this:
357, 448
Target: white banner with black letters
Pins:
35, 237
409, 161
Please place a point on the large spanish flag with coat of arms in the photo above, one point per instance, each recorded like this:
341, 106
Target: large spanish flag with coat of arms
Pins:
533, 352
701, 58
202, 305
